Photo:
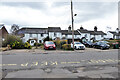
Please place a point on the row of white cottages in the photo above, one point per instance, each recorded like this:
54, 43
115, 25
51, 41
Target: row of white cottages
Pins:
55, 32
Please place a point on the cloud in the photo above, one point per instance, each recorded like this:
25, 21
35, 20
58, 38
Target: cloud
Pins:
94, 10
44, 14
35, 5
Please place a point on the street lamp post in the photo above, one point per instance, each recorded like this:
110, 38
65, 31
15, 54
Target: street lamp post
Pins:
72, 24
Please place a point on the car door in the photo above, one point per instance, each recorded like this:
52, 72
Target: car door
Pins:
97, 45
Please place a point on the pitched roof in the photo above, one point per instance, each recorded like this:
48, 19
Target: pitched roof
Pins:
66, 32
32, 30
113, 32
97, 33
54, 29
83, 30
1, 26
92, 32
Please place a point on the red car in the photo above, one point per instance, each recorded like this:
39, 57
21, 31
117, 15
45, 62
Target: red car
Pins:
49, 45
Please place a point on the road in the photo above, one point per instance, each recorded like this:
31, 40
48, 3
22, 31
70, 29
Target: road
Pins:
65, 62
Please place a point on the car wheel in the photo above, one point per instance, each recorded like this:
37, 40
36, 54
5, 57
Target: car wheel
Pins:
101, 48
75, 47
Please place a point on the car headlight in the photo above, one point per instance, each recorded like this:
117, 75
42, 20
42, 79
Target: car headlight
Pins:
108, 45
53, 45
47, 46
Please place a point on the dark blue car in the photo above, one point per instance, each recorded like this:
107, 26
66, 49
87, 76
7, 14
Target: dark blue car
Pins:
101, 45
88, 44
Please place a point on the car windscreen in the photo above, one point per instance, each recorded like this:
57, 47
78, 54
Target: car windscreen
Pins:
101, 43
89, 42
49, 43
78, 43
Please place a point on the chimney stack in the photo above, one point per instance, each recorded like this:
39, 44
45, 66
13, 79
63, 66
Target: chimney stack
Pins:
117, 30
69, 28
81, 28
95, 28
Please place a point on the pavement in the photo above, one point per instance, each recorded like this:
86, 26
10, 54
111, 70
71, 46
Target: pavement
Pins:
106, 72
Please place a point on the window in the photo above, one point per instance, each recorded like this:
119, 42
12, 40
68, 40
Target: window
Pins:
101, 35
54, 34
65, 35
37, 35
30, 35
86, 35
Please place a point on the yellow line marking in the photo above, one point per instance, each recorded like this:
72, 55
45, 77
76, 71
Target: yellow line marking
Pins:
34, 64
8, 64
73, 62
24, 64
44, 63
110, 60
63, 62
93, 61
54, 63
102, 61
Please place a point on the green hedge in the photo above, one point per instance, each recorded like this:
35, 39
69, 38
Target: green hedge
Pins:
113, 41
67, 47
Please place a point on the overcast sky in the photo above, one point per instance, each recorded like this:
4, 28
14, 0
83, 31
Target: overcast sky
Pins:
58, 14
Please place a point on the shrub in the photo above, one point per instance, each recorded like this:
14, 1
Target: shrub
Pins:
57, 43
38, 44
17, 45
62, 43
111, 42
27, 46
10, 39
67, 47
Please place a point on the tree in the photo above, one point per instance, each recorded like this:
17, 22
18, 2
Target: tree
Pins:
14, 28
10, 39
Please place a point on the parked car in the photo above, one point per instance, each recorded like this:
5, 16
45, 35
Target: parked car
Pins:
104, 42
88, 43
49, 45
101, 45
78, 45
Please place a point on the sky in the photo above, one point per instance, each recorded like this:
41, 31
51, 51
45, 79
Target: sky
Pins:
58, 14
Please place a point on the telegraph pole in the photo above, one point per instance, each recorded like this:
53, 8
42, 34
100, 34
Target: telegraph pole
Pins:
72, 24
